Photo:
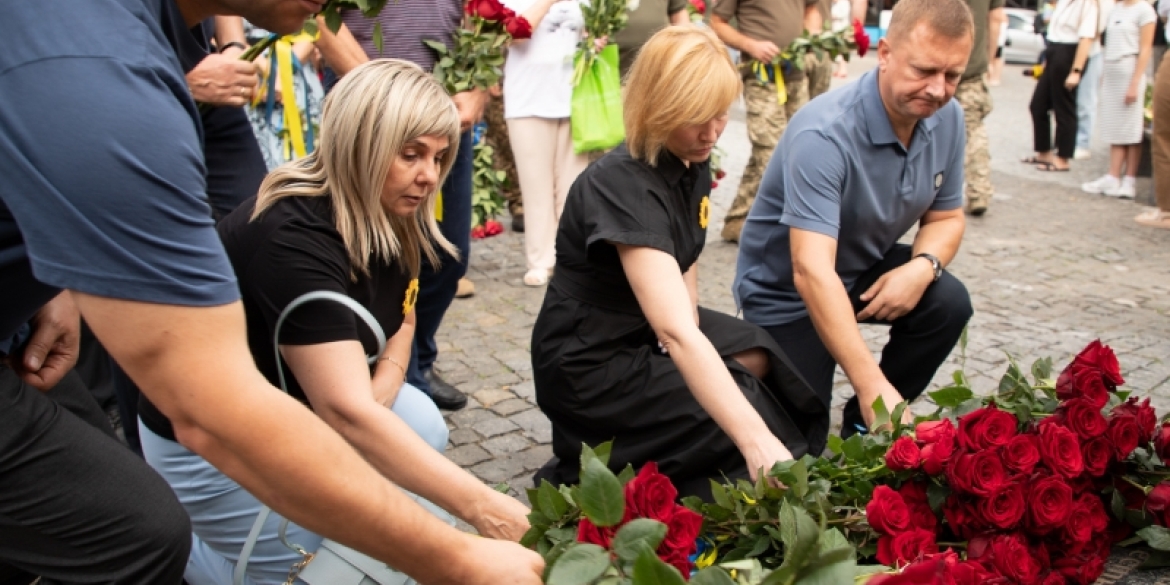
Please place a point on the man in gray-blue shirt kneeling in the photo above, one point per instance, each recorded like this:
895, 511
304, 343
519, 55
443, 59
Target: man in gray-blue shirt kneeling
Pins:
856, 169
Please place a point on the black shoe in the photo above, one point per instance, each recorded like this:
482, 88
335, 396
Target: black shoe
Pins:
445, 396
518, 223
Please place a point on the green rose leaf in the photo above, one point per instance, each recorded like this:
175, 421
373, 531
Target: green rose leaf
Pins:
952, 396
628, 540
651, 570
600, 494
881, 413
551, 502
579, 565
1157, 537
712, 576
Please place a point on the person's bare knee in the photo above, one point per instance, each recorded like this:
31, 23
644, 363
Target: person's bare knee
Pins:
755, 360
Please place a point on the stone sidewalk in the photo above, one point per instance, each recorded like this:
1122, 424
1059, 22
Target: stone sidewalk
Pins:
1049, 269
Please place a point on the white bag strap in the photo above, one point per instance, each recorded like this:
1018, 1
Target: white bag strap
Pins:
372, 323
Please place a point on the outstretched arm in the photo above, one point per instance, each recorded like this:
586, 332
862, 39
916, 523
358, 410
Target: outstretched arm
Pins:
662, 294
194, 364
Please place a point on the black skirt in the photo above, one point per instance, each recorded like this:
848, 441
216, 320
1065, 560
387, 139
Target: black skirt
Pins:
600, 376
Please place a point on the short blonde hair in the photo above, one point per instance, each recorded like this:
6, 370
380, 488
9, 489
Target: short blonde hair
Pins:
367, 119
682, 76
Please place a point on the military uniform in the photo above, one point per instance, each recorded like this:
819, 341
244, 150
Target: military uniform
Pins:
975, 98
768, 109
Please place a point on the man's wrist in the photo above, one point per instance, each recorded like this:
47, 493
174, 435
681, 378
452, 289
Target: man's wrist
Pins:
933, 262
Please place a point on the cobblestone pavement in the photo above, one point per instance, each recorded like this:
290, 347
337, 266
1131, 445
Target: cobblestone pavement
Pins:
1049, 268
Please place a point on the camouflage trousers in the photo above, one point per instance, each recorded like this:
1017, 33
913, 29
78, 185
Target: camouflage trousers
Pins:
497, 137
766, 121
819, 72
975, 99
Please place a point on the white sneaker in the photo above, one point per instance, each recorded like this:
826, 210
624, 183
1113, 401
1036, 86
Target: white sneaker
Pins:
1082, 154
1105, 184
1123, 191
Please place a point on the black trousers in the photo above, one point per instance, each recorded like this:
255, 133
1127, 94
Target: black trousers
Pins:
920, 340
1050, 95
77, 506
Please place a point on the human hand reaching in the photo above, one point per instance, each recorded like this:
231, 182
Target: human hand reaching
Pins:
53, 348
487, 561
500, 516
223, 81
890, 397
763, 454
762, 51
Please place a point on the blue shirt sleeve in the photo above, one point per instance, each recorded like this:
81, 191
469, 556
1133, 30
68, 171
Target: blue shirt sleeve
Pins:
950, 194
814, 177
103, 171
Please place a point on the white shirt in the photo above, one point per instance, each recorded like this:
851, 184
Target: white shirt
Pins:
1073, 20
538, 75
1125, 29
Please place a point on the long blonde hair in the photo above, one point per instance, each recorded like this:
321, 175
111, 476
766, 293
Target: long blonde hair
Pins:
683, 75
367, 119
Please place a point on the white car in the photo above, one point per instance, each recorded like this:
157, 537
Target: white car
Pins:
1023, 45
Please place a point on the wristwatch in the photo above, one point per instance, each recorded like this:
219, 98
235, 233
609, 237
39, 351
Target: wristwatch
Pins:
934, 262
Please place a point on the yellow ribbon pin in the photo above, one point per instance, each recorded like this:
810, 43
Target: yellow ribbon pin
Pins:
704, 212
411, 297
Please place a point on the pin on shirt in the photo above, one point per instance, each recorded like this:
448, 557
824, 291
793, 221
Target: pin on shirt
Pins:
938, 180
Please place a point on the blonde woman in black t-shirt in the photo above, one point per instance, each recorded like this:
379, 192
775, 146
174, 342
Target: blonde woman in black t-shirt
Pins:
356, 218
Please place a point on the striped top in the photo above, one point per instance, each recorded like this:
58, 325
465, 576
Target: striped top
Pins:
405, 24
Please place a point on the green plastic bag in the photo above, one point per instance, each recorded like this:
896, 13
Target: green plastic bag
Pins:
597, 105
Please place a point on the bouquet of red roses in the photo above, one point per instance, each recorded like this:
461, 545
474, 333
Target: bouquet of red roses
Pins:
476, 61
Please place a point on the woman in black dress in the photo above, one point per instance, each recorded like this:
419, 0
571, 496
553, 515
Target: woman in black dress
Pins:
621, 349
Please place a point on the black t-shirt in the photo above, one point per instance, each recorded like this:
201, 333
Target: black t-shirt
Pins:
293, 248
624, 200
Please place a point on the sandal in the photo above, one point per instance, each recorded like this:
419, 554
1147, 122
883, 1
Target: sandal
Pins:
1048, 167
1033, 160
1154, 217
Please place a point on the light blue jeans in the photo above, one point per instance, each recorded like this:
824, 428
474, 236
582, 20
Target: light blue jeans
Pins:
222, 512
1087, 100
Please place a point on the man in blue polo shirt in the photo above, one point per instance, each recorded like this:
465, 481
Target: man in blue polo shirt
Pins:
855, 170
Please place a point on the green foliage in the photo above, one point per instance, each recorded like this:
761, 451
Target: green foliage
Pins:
331, 11
603, 19
829, 42
486, 185
476, 60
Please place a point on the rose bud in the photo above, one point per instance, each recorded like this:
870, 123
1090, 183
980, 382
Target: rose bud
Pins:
986, 428
650, 495
1124, 433
887, 512
1060, 450
1021, 454
932, 431
903, 455
1049, 504
1158, 503
1083, 418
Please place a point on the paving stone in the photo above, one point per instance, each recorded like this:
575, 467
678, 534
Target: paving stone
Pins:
494, 426
510, 407
490, 397
468, 455
505, 444
463, 436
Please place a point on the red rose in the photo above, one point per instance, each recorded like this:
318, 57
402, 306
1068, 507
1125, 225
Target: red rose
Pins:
905, 547
1080, 570
1021, 454
917, 502
651, 495
967, 573
485, 9
1005, 508
1098, 454
1053, 578
903, 455
1158, 503
1060, 450
1050, 502
962, 516
979, 473
860, 38
719, 174
1124, 433
1088, 518
478, 232
932, 431
1162, 442
1147, 419
1013, 559
930, 571
518, 27
1083, 418
936, 457
589, 533
1092, 374
887, 512
986, 428
679, 544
